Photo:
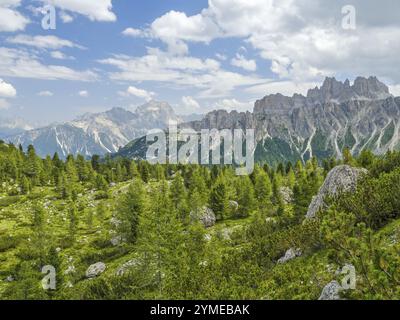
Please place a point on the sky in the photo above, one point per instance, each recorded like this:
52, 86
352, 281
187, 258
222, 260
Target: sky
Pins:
197, 55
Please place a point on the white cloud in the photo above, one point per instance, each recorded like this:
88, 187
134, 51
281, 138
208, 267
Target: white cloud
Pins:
4, 104
10, 19
179, 72
177, 25
45, 93
83, 93
221, 57
98, 10
132, 32
303, 40
22, 64
241, 62
287, 88
233, 104
7, 90
190, 104
65, 17
60, 55
137, 92
43, 42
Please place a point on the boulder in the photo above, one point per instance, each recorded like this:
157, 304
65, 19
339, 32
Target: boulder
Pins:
289, 255
95, 270
340, 179
287, 194
331, 291
233, 205
127, 265
205, 215
117, 240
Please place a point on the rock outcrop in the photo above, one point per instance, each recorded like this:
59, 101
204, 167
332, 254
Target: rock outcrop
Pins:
126, 266
331, 291
340, 179
287, 194
290, 255
95, 270
205, 215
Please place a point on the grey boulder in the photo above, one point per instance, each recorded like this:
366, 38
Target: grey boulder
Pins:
340, 179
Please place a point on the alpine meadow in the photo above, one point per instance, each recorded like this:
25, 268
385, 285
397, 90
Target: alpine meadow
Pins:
221, 151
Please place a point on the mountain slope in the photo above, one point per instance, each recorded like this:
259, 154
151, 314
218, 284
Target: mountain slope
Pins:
13, 126
98, 133
360, 116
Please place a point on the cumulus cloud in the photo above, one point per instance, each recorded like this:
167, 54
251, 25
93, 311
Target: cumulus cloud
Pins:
45, 93
303, 40
241, 62
137, 92
99, 10
190, 104
10, 19
132, 32
22, 64
60, 55
65, 17
180, 72
7, 90
43, 42
221, 57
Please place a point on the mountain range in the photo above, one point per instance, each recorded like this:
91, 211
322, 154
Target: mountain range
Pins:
362, 115
98, 133
359, 115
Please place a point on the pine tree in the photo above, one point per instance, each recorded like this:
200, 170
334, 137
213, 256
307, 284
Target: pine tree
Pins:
263, 190
131, 206
161, 241
73, 222
219, 200
178, 195
245, 194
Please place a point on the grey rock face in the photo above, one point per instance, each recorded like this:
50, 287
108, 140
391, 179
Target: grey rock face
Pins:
290, 255
331, 291
340, 179
205, 215
362, 115
95, 270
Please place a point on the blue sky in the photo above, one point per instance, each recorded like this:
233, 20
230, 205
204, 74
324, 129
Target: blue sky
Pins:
197, 55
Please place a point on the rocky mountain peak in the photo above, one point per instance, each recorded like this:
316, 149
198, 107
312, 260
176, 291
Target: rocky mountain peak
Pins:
370, 88
154, 106
333, 90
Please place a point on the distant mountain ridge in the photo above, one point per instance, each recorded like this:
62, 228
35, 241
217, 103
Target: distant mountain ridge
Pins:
360, 116
98, 133
12, 126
